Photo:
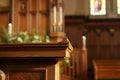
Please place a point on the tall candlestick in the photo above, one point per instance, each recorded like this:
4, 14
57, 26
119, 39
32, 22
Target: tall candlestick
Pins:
10, 29
54, 15
84, 42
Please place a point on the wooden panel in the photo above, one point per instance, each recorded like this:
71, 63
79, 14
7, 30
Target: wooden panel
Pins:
27, 75
74, 29
24, 71
27, 60
4, 21
4, 14
30, 15
103, 41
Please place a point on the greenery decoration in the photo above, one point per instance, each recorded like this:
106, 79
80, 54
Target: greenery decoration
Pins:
22, 37
66, 63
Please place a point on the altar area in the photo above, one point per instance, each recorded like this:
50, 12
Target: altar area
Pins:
38, 53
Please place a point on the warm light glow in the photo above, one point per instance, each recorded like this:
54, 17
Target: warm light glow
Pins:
84, 42
10, 29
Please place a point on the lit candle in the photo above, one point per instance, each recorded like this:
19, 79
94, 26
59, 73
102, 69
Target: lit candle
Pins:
84, 42
54, 15
10, 29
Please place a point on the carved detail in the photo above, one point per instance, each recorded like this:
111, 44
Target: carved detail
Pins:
98, 31
112, 31
85, 31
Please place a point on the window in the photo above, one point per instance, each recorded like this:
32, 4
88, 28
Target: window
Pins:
98, 7
118, 6
104, 9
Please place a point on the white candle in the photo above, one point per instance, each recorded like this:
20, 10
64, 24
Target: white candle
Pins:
84, 42
54, 15
61, 14
10, 29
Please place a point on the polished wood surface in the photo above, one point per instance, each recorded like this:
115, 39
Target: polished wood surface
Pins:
31, 60
32, 49
107, 69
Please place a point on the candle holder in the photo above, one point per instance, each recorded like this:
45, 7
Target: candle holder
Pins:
57, 16
54, 27
57, 28
59, 25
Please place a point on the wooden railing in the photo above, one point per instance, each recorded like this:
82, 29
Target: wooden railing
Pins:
79, 66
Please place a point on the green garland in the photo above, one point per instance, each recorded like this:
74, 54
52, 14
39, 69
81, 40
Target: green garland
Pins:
66, 63
22, 37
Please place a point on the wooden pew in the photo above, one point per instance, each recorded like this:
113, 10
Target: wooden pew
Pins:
79, 66
107, 69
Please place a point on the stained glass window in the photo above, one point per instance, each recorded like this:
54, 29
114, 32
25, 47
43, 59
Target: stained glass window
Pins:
118, 6
97, 7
